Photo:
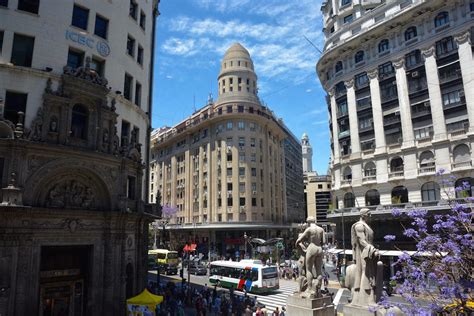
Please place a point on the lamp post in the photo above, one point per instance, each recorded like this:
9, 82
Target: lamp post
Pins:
245, 244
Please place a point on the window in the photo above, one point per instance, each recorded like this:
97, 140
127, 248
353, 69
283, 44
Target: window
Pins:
441, 19
465, 187
140, 55
142, 20
399, 195
254, 172
229, 201
31, 6
252, 142
445, 46
361, 80
413, 58
3, 3
228, 141
242, 171
471, 6
386, 69
359, 56
229, 157
461, 155
14, 102
130, 46
349, 200
241, 125
138, 93
131, 187
240, 108
127, 87
22, 51
338, 66
75, 58
410, 33
98, 65
430, 191
372, 198
396, 165
451, 98
101, 26
348, 18
1, 41
229, 109
241, 141
242, 156
80, 17
229, 172
229, 125
229, 186
79, 121
242, 201
383, 45
133, 9
345, 2
242, 187
125, 133
254, 201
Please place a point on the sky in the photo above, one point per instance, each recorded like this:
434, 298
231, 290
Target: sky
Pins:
193, 35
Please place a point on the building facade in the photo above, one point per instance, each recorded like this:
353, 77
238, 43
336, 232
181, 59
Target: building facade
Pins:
317, 192
399, 77
224, 167
74, 120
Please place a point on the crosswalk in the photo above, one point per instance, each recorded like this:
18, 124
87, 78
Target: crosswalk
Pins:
276, 298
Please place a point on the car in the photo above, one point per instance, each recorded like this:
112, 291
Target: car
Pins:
197, 269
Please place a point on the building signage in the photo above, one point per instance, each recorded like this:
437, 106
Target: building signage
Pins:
102, 47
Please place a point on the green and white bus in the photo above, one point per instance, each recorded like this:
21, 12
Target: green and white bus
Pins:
246, 275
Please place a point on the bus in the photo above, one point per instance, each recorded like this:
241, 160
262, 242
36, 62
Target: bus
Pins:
245, 275
166, 260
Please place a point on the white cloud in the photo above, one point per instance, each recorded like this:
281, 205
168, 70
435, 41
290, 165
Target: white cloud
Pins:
309, 90
169, 77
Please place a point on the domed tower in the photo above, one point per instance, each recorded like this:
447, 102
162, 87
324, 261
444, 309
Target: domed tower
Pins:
237, 80
307, 154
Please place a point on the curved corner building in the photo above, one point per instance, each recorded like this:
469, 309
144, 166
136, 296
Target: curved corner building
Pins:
74, 125
224, 167
400, 82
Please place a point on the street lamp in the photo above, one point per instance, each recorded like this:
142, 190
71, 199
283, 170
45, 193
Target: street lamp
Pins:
245, 243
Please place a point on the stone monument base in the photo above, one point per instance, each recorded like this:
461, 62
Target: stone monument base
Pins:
353, 310
302, 306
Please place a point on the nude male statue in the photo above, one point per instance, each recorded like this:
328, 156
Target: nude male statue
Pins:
314, 252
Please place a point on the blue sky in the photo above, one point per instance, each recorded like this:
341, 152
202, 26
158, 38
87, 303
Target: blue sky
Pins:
193, 35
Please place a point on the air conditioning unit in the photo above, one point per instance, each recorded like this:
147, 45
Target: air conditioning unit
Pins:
426, 104
396, 113
461, 93
415, 74
254, 192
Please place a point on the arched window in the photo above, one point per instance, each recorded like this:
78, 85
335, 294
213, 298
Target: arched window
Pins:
370, 170
383, 45
79, 121
359, 56
372, 198
430, 191
399, 195
347, 174
410, 33
396, 165
427, 160
441, 19
461, 155
349, 200
338, 66
464, 187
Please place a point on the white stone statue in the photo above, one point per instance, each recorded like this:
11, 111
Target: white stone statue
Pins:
314, 234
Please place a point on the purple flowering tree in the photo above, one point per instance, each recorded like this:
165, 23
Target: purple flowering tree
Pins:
168, 210
440, 273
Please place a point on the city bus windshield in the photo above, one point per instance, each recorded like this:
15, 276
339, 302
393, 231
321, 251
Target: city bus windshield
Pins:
172, 255
269, 273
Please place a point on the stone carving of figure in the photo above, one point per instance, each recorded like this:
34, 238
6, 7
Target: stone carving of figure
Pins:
301, 265
37, 125
361, 275
115, 142
55, 197
314, 234
88, 201
53, 124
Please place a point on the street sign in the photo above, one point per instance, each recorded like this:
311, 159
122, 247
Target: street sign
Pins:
280, 245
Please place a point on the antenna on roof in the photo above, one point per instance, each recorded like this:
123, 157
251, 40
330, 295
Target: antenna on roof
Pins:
312, 44
194, 103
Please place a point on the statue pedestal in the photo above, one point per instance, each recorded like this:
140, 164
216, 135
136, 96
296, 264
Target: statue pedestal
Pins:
354, 310
301, 306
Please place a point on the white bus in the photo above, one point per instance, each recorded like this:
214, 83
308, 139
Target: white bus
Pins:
249, 275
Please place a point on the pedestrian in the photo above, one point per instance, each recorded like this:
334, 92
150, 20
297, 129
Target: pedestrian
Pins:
276, 312
283, 310
259, 311
248, 311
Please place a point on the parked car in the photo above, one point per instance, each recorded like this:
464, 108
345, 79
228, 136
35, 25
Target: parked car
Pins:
197, 269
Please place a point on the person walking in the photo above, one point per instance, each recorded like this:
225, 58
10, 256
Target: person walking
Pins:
276, 312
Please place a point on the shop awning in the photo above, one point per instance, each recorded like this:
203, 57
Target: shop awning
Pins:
189, 248
145, 298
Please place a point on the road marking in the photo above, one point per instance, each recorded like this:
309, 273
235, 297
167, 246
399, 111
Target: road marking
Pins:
338, 297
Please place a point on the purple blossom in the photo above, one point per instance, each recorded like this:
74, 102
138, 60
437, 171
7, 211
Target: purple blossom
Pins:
168, 210
440, 172
389, 238
411, 233
396, 212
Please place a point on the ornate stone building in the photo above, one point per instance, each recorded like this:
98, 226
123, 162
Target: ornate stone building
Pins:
400, 83
73, 220
225, 167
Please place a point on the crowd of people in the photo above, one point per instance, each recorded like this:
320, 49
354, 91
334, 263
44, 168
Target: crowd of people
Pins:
180, 300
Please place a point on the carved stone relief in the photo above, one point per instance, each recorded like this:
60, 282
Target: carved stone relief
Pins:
71, 194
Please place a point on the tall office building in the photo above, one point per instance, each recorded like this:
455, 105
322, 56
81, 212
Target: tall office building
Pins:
75, 108
400, 82
227, 167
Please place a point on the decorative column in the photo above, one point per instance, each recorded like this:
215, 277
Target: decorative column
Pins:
335, 134
467, 70
377, 113
432, 79
404, 103
353, 123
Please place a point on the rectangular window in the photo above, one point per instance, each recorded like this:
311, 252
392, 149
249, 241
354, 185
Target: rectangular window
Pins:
127, 87
31, 6
229, 201
138, 93
254, 172
125, 133
142, 20
261, 202
253, 157
131, 187
451, 98
140, 55
254, 201
229, 157
14, 103
241, 157
228, 141
80, 17
240, 108
229, 172
229, 186
1, 41
242, 171
75, 58
130, 46
348, 18
242, 201
133, 9
252, 142
229, 125
101, 26
241, 125
98, 65
22, 51
242, 187
241, 141
229, 109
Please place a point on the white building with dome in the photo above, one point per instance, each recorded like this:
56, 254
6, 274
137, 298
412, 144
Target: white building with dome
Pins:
230, 168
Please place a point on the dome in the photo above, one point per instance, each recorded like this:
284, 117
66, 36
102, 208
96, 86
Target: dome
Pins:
237, 51
305, 136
